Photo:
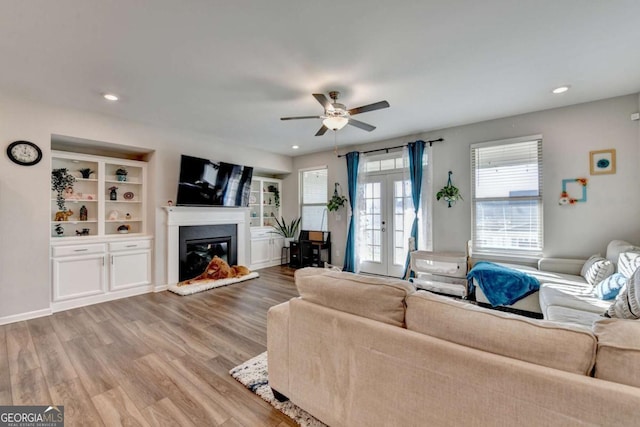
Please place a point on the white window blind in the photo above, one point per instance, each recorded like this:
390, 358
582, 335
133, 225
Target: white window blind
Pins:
314, 199
507, 197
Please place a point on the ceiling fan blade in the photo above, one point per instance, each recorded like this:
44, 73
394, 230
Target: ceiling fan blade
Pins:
322, 100
361, 125
370, 107
300, 117
322, 130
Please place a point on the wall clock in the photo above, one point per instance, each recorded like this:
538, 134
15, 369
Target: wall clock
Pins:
24, 153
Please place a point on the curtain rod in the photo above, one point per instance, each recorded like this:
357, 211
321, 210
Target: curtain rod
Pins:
393, 148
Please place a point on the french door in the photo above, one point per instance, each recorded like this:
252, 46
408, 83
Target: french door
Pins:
386, 216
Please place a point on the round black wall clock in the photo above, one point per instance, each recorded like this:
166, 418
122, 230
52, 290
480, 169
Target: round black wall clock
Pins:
24, 153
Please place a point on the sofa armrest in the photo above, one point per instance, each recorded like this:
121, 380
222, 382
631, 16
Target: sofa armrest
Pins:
278, 347
561, 265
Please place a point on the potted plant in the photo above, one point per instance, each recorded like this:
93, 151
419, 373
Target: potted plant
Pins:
86, 172
337, 200
449, 192
288, 231
121, 174
61, 179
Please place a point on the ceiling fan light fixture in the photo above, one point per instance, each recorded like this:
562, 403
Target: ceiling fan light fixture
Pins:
335, 122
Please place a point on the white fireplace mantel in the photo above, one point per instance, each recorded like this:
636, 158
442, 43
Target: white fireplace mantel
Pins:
185, 216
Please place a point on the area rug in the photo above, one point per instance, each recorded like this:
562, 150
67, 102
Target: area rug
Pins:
254, 376
205, 285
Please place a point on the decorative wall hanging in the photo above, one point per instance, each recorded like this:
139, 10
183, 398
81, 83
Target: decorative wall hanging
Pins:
565, 198
449, 192
602, 162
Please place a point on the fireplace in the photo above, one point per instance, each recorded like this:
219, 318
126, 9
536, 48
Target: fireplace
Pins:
203, 232
200, 243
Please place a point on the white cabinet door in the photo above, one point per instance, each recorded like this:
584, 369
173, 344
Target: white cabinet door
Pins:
78, 276
129, 269
260, 251
276, 249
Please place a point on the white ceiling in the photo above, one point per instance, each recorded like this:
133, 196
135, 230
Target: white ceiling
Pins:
233, 68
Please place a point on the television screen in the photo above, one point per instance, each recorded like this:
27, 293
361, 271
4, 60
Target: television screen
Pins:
207, 183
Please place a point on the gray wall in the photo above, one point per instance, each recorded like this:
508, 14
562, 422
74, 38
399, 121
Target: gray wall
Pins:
569, 133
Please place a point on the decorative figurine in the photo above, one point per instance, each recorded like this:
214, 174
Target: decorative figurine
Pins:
59, 230
170, 203
84, 232
113, 193
124, 229
113, 215
128, 215
63, 215
83, 213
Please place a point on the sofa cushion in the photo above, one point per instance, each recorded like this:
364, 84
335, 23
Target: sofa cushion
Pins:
376, 298
618, 355
627, 303
567, 315
571, 296
609, 288
616, 247
596, 269
568, 348
628, 263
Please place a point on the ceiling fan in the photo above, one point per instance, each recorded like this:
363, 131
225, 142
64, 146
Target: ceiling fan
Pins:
336, 116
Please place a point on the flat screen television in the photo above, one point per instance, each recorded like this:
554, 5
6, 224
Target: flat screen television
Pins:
207, 183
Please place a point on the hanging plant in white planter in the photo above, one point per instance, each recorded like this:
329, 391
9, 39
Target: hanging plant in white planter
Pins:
449, 192
337, 200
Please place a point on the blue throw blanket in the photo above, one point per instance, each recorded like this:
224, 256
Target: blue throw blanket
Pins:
501, 285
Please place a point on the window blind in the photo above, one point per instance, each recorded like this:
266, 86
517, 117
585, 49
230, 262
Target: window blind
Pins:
314, 199
507, 197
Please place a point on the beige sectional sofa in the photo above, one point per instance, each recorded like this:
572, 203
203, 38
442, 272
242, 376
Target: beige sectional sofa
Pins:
363, 351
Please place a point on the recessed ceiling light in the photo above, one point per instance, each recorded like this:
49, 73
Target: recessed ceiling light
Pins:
295, 147
110, 97
561, 89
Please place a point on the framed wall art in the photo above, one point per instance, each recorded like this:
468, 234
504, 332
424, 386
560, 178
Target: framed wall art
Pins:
602, 162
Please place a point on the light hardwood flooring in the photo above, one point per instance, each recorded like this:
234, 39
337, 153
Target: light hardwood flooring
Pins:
154, 359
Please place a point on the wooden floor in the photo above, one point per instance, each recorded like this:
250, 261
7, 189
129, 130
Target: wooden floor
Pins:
154, 359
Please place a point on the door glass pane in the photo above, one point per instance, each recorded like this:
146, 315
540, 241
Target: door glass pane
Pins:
402, 220
371, 223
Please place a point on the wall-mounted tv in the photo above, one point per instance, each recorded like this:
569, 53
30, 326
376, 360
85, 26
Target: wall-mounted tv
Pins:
207, 183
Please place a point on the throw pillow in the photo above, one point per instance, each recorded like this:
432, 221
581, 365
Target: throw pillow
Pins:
627, 303
610, 287
628, 263
596, 269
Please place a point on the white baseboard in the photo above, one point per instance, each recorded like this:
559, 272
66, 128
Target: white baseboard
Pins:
5, 320
95, 299
160, 288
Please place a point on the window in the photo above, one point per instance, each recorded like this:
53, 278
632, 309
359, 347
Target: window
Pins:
313, 198
507, 196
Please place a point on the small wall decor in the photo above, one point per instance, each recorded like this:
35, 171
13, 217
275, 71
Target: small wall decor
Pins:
565, 198
602, 162
449, 192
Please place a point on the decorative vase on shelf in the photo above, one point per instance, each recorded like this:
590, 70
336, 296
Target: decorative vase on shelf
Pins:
121, 174
113, 193
83, 213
